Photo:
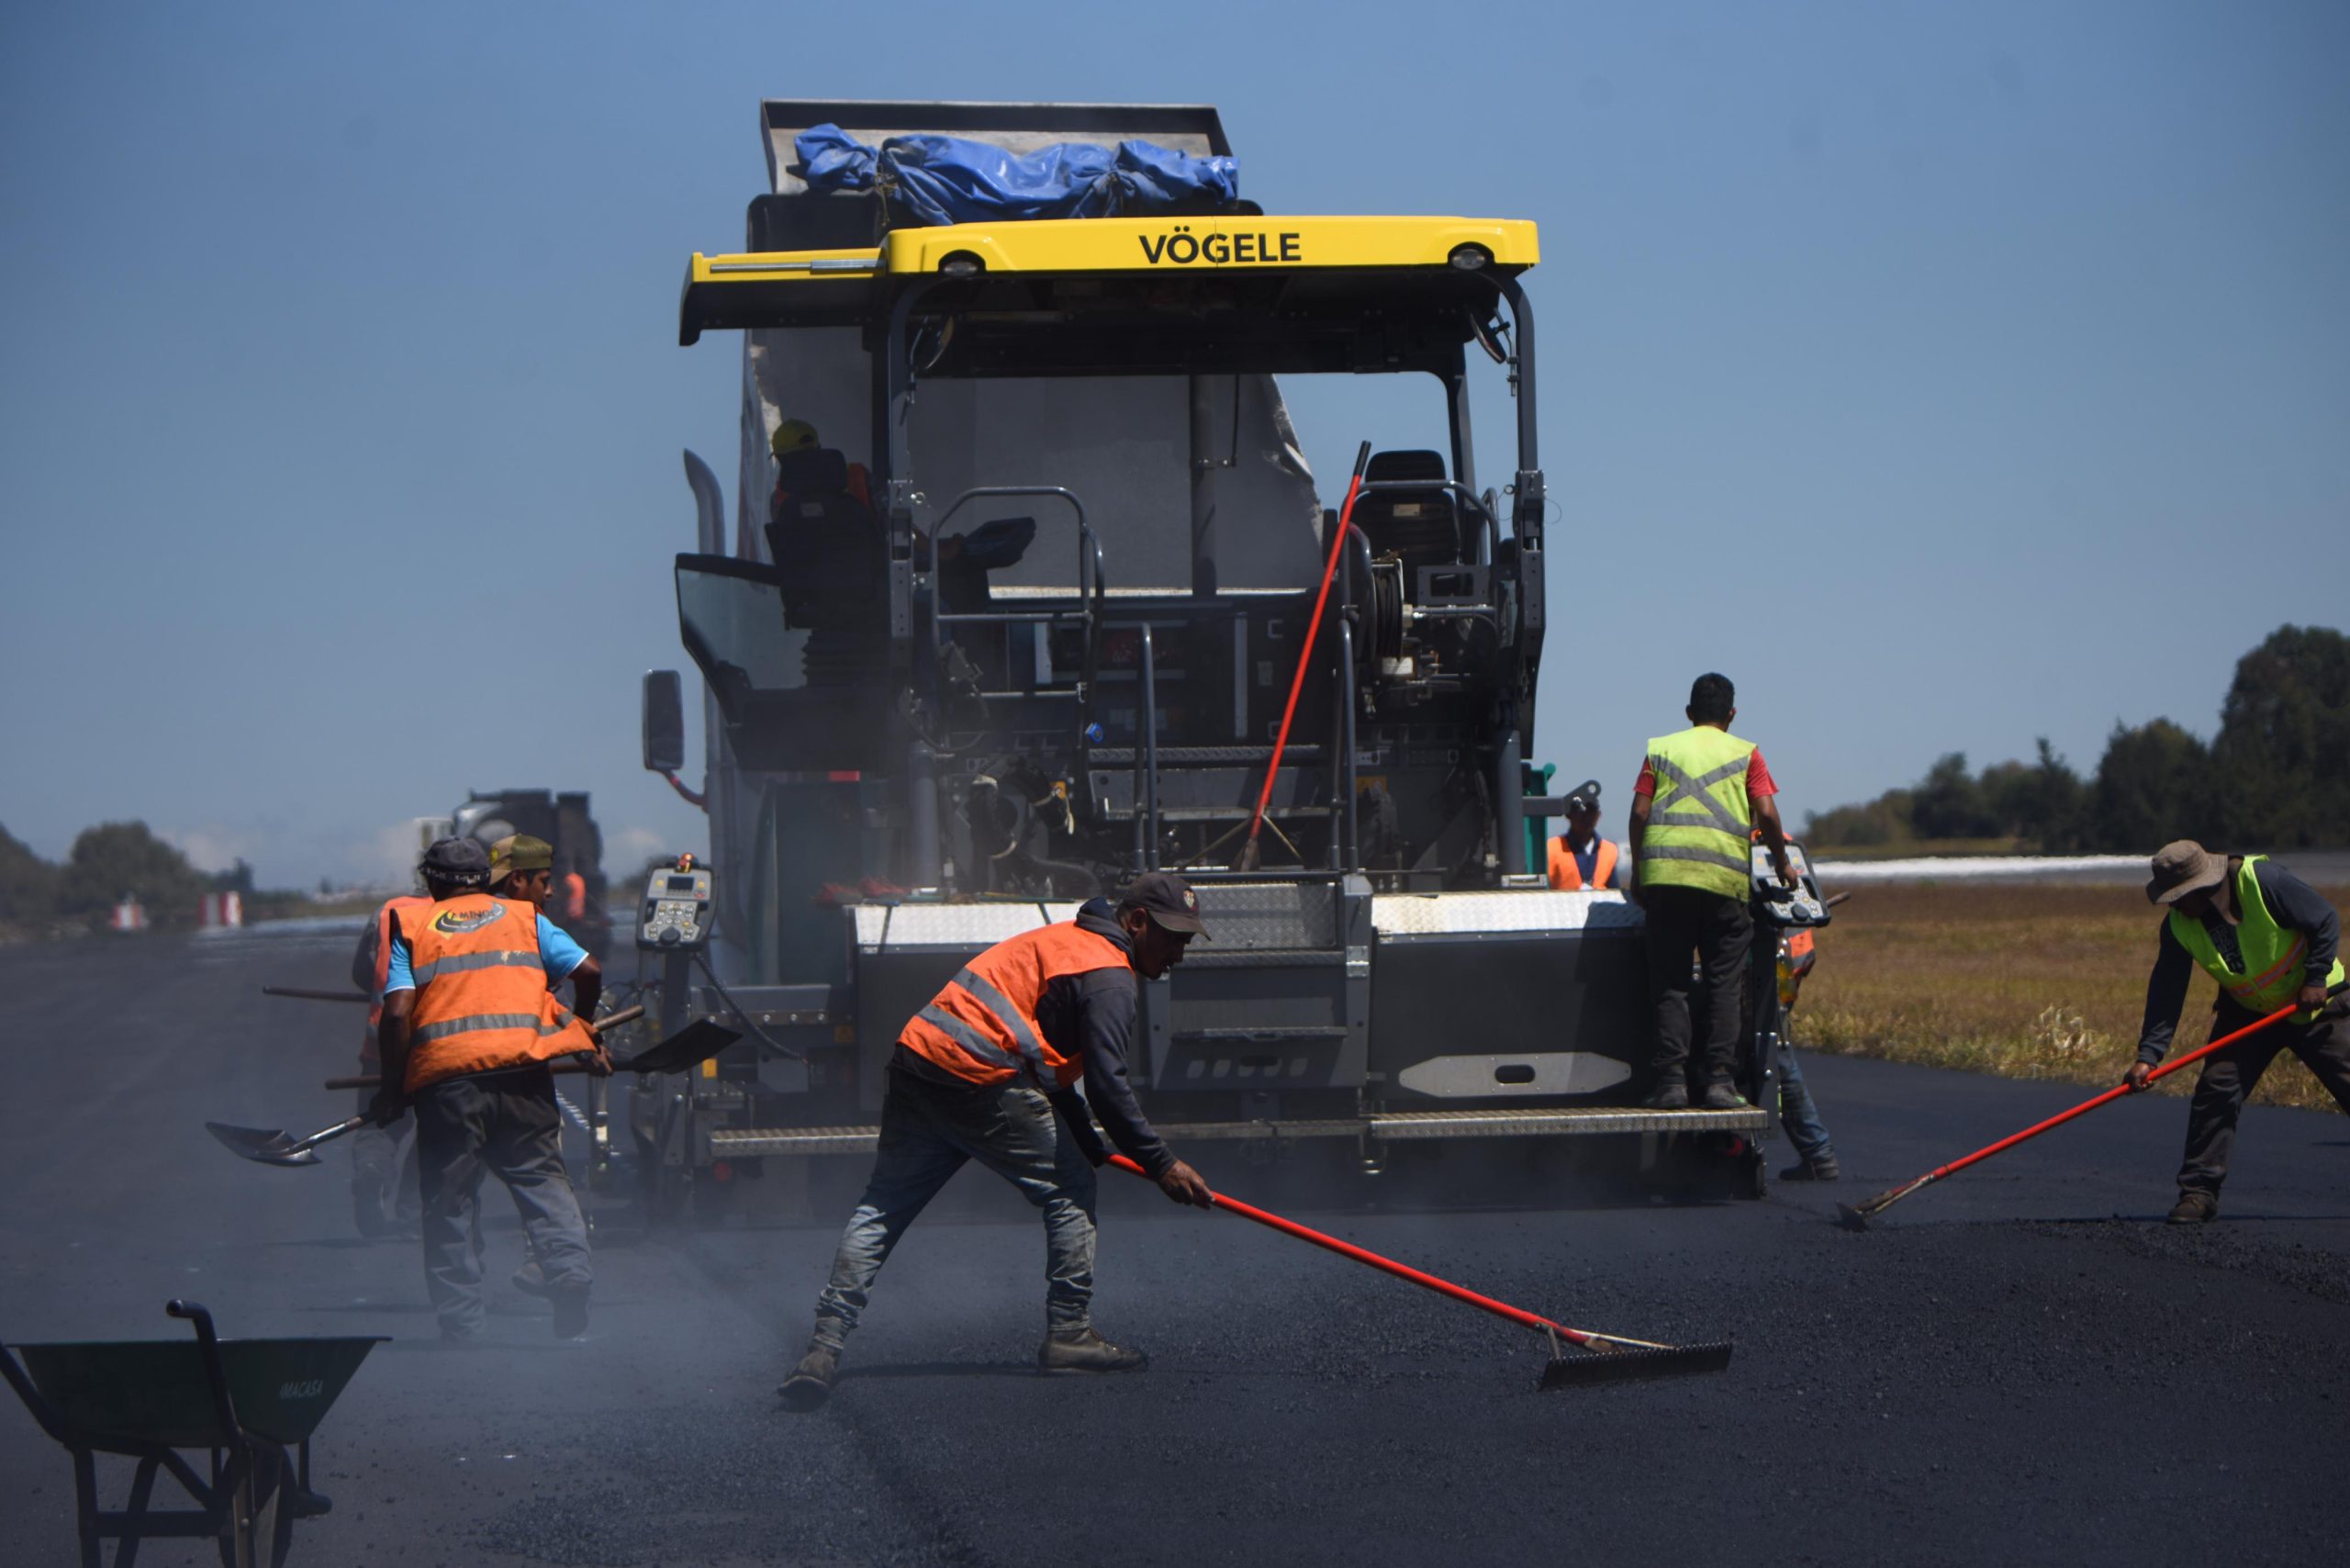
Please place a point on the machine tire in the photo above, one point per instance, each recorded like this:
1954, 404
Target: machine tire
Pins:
1754, 1174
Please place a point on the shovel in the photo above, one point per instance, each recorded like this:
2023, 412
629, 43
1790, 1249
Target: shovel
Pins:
690, 1046
1608, 1358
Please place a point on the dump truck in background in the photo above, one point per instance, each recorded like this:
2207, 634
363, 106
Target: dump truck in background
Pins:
1028, 618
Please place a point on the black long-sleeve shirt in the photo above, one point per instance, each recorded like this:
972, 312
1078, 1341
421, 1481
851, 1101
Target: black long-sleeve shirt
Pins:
1090, 1018
2296, 905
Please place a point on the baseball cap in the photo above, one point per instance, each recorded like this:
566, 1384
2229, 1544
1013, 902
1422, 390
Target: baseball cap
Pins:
1167, 899
462, 860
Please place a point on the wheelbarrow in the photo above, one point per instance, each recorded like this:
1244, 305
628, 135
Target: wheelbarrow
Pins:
245, 1401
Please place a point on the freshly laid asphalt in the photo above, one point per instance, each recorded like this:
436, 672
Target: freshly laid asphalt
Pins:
2022, 1364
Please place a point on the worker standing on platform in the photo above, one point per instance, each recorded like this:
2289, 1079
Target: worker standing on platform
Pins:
470, 1022
2271, 940
989, 1072
1579, 860
1702, 792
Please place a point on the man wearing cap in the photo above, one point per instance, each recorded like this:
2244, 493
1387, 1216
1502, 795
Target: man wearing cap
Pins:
470, 1022
1579, 860
989, 1072
2271, 940
522, 866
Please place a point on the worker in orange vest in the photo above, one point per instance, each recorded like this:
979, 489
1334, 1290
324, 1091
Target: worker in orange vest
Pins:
470, 1023
1579, 860
989, 1072
1799, 1114
382, 1158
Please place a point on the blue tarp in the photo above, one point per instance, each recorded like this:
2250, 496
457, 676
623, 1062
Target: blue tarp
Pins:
945, 179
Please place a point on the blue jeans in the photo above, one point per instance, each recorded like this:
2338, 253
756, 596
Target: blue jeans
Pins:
928, 1129
1796, 1111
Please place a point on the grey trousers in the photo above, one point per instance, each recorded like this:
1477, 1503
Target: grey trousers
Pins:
507, 1124
2229, 1077
928, 1130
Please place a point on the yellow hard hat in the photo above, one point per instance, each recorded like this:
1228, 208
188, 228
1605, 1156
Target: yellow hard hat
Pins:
790, 436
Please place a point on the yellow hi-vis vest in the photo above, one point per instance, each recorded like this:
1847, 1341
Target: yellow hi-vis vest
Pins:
2272, 954
1698, 820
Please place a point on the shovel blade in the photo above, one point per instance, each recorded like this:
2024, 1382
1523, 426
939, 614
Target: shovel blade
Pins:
263, 1145
1634, 1365
683, 1051
1853, 1218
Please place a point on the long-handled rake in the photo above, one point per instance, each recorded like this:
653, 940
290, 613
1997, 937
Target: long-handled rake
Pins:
1856, 1216
1610, 1358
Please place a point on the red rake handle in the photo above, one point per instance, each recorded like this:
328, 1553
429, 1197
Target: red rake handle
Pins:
1306, 652
1517, 1314
2118, 1091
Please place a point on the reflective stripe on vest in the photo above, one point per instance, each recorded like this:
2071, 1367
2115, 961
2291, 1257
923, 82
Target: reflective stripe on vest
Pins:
982, 1025
1566, 873
1698, 817
2272, 954
482, 999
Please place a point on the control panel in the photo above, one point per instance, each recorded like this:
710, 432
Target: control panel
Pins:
677, 908
1778, 905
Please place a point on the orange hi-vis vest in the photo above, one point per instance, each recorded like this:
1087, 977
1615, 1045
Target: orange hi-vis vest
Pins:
983, 1025
482, 1000
1566, 876
370, 1056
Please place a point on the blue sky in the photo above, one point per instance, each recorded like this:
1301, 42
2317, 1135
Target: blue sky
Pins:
1947, 376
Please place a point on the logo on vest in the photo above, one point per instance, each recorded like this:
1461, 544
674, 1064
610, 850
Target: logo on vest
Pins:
453, 922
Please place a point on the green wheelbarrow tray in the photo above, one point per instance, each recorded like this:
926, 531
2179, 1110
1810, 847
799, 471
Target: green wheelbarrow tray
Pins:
246, 1401
159, 1391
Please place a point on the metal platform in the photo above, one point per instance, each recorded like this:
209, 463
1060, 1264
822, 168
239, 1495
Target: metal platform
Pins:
753, 1142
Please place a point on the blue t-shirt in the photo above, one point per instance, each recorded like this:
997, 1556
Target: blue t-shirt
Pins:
557, 951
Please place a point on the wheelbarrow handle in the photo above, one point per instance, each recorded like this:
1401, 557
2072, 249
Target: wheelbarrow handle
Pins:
561, 1064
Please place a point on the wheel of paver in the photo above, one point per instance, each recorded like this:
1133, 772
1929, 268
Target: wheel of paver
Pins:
1754, 1176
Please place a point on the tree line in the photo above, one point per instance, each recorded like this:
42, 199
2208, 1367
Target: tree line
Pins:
2276, 777
106, 862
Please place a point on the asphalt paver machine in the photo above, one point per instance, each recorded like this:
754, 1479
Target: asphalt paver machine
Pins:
1023, 619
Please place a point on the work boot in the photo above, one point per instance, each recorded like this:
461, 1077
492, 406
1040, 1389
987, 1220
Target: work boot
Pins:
2194, 1207
570, 1311
810, 1383
1821, 1170
1670, 1093
1083, 1350
532, 1279
1721, 1094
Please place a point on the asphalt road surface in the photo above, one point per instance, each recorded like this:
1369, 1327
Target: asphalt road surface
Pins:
2022, 1364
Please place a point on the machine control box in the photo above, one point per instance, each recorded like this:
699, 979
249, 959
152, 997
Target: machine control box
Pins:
677, 909
1775, 902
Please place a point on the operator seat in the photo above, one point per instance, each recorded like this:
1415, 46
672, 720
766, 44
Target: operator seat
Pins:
825, 541
1420, 527
833, 563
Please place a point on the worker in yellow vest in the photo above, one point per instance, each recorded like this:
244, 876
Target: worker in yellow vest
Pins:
1579, 860
470, 1023
2269, 939
989, 1072
1701, 792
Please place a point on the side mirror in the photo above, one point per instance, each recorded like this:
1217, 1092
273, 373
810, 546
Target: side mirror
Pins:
665, 722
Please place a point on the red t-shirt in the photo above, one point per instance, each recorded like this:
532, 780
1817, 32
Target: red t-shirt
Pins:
1759, 781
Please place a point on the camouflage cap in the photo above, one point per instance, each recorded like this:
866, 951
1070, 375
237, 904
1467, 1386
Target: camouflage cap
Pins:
520, 852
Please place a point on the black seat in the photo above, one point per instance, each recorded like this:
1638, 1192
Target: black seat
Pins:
826, 542
1420, 527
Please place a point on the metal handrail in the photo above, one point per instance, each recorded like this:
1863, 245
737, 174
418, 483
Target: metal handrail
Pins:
1092, 587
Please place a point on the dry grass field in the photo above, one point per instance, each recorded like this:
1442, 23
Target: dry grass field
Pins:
2027, 980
